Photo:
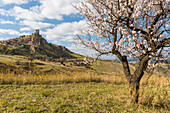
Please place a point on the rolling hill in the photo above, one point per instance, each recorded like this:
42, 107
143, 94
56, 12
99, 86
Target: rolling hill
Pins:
34, 46
33, 53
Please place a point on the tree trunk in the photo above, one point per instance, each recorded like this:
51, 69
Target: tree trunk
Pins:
134, 80
134, 91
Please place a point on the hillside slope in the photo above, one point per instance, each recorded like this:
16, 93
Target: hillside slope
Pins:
20, 65
34, 46
15, 56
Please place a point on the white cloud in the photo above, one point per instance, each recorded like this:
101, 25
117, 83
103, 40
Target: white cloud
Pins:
25, 29
1, 38
6, 22
21, 34
19, 2
55, 9
67, 38
65, 31
80, 49
36, 25
50, 9
26, 14
4, 12
9, 31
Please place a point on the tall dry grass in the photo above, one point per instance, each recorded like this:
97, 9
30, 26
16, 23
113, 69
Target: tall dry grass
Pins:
155, 93
77, 77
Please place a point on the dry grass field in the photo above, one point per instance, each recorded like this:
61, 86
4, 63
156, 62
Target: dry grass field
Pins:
58, 88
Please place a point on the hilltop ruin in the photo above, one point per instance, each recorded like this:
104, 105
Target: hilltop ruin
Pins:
24, 40
35, 46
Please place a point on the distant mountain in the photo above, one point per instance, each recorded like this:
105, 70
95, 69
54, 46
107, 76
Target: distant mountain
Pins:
34, 46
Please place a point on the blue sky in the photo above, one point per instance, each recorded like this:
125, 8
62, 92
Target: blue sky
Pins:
57, 20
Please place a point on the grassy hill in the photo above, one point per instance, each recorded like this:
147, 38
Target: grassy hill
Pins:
34, 46
22, 64
16, 55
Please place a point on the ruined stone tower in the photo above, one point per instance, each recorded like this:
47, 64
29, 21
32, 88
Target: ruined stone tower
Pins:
35, 41
37, 31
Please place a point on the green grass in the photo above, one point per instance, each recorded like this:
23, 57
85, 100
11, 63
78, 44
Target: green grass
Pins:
58, 88
77, 97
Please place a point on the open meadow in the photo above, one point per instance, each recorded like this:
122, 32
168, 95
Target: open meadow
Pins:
80, 92
91, 94
58, 88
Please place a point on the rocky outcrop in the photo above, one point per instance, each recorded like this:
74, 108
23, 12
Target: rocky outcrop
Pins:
24, 40
35, 46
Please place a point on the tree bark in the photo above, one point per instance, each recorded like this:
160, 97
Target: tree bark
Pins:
134, 81
134, 88
134, 92
125, 64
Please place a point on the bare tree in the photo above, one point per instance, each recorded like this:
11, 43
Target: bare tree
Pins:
128, 29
